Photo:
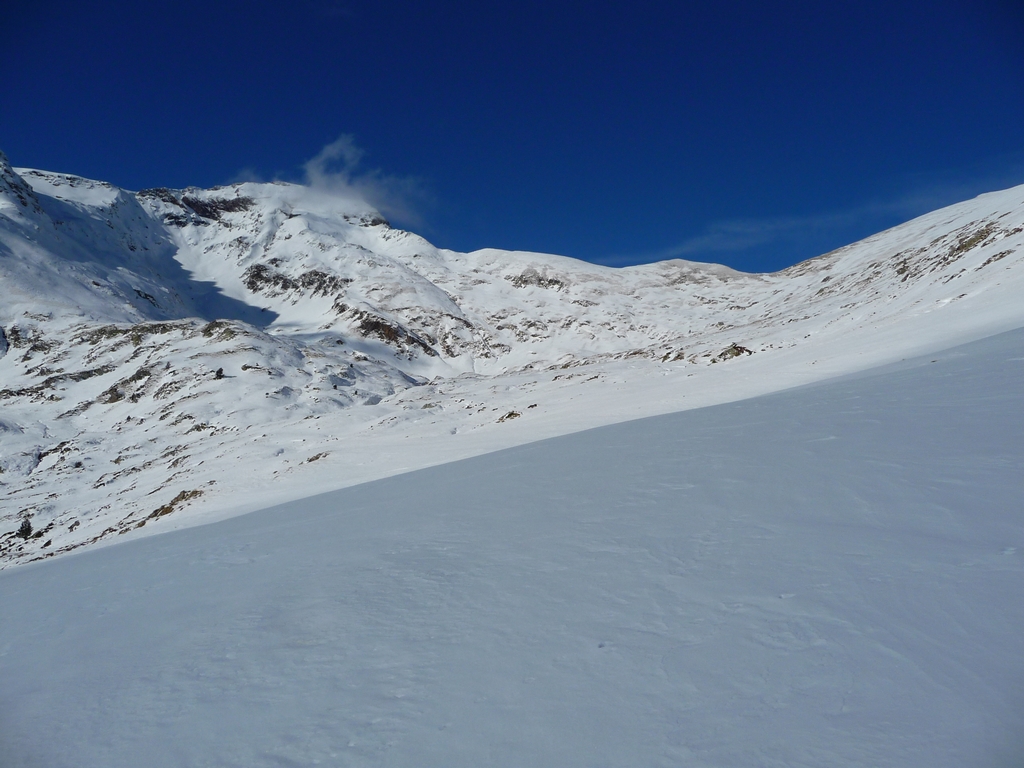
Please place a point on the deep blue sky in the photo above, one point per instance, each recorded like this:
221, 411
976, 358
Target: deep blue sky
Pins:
756, 134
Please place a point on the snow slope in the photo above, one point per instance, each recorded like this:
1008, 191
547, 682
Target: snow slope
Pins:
827, 576
350, 351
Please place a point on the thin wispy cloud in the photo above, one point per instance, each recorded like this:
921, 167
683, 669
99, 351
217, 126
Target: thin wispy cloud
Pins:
732, 237
744, 234
244, 175
336, 170
729, 237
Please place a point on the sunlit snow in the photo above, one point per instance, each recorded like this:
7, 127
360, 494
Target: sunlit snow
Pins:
828, 576
808, 555
169, 357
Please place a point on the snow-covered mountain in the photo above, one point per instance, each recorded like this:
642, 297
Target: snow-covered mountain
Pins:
169, 356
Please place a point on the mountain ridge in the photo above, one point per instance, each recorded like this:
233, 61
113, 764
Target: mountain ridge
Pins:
146, 338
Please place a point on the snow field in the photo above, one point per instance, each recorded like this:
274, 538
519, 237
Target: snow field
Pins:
823, 576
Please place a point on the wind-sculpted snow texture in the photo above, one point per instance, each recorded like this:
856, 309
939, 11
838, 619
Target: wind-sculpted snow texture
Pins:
828, 576
168, 356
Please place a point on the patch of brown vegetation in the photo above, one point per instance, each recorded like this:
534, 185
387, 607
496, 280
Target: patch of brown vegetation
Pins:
173, 504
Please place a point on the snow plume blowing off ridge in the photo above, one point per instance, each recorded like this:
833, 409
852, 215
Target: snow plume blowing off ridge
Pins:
335, 171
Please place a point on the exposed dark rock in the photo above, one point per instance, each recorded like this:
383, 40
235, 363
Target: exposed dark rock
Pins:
148, 297
181, 498
126, 387
160, 193
53, 381
321, 283
213, 209
733, 350
391, 333
259, 278
220, 327
533, 277
368, 220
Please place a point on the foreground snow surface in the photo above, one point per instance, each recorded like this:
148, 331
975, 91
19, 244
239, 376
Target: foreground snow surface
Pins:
828, 576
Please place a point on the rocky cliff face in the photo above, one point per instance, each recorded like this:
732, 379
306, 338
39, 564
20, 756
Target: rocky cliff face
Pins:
169, 351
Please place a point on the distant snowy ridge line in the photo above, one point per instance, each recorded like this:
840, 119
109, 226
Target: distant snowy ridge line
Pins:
288, 257
168, 355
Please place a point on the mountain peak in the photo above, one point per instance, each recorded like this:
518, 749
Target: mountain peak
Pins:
14, 192
155, 338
